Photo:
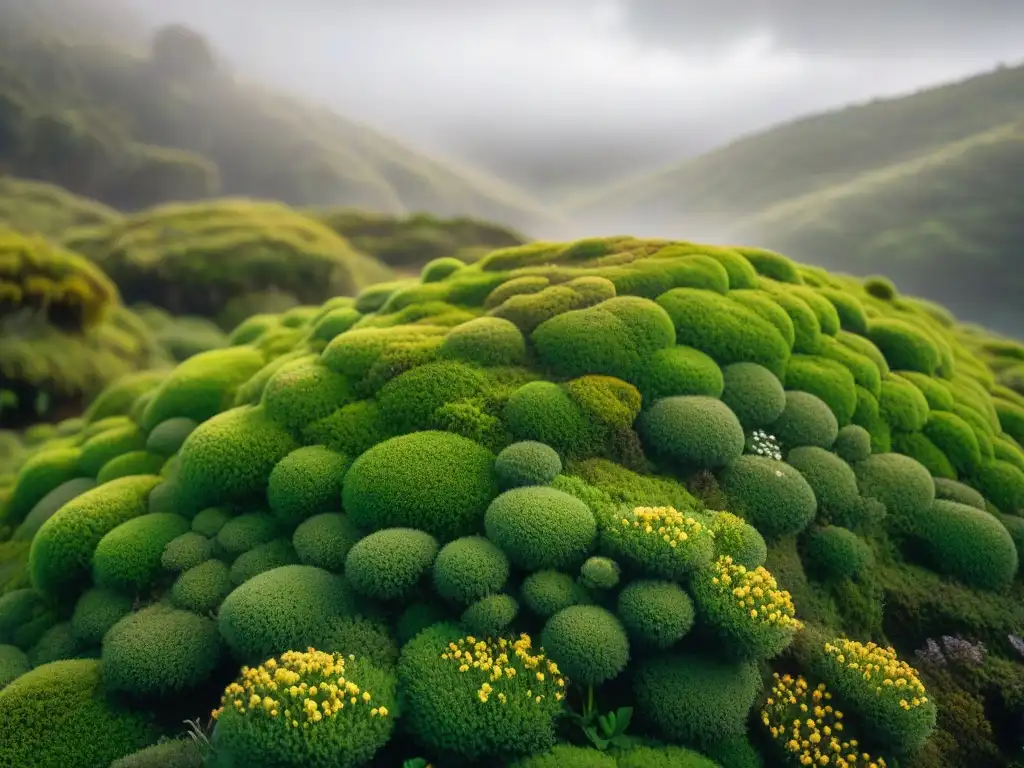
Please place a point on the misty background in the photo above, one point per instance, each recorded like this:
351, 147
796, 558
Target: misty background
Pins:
560, 95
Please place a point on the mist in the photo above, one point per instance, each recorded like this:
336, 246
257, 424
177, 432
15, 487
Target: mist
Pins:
560, 95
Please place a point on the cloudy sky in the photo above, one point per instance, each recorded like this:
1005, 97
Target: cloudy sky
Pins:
586, 90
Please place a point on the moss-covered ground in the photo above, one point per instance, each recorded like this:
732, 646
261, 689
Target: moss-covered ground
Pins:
613, 502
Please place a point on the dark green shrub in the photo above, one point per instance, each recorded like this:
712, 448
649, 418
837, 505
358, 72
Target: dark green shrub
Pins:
770, 495
900, 483
25, 615
548, 592
965, 543
262, 557
229, 457
696, 700
56, 644
167, 437
567, 756
526, 463
186, 551
540, 527
724, 329
696, 432
836, 553
676, 371
433, 481
485, 341
753, 393
450, 711
544, 412
806, 420
96, 611
202, 588
826, 379
306, 481
664, 757
588, 643
490, 616
468, 569
128, 558
390, 564
13, 664
242, 533
611, 338
209, 522
60, 561
324, 541
656, 614
288, 607
58, 715
853, 443
160, 651
600, 573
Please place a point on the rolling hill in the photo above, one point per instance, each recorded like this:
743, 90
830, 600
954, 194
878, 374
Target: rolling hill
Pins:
136, 123
925, 187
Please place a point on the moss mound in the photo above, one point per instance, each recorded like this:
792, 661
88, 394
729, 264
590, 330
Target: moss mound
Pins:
598, 475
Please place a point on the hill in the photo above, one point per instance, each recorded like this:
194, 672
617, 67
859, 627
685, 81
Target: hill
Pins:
616, 503
133, 125
35, 207
931, 178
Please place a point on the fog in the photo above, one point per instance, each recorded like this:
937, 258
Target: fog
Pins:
562, 94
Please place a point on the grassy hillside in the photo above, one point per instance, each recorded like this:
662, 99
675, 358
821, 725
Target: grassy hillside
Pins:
133, 126
925, 188
35, 207
703, 489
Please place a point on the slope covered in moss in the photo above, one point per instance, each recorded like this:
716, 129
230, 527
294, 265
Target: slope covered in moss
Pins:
65, 333
762, 514
34, 207
135, 122
208, 258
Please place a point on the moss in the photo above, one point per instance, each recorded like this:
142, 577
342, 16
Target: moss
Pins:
302, 392
288, 607
45, 508
772, 496
600, 573
764, 304
588, 643
41, 474
836, 553
902, 405
131, 463
541, 528
324, 540
656, 614
693, 699
484, 341
903, 485
832, 480
61, 557
678, 370
1001, 483
826, 379
98, 450
58, 714
490, 616
306, 481
202, 588
390, 564
723, 329
174, 753
806, 420
262, 557
468, 569
567, 756
865, 371
433, 481
96, 611
186, 551
242, 533
128, 558
160, 651
693, 431
547, 592
527, 463
229, 458
905, 348
957, 441
544, 412
853, 443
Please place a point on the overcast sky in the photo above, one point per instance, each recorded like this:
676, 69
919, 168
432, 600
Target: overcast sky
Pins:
590, 89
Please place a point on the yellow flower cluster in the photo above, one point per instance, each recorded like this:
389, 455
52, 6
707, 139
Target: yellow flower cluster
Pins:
806, 725
757, 593
512, 662
665, 523
301, 688
892, 678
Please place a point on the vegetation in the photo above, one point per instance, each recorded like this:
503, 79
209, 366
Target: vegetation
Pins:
611, 502
134, 123
934, 205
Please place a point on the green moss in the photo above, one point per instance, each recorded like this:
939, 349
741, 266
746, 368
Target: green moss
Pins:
902, 484
96, 611
527, 463
826, 379
693, 431
902, 405
242, 533
905, 348
864, 370
753, 393
836, 553
723, 329
764, 304
547, 592
656, 614
60, 560
468, 569
186, 551
588, 643
918, 447
390, 564
772, 496
128, 557
432, 481
98, 450
806, 420
49, 504
484, 341
541, 528
1002, 484
262, 557
41, 473
131, 463
160, 651
490, 616
302, 392
832, 480
957, 441
58, 714
544, 412
324, 540
202, 588
175, 753
306, 481
853, 443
